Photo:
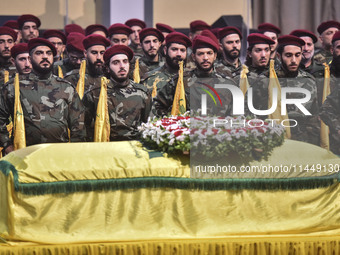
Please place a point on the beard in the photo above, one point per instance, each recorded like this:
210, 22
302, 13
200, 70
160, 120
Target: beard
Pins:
205, 69
232, 54
119, 79
42, 70
95, 69
173, 62
150, 55
290, 73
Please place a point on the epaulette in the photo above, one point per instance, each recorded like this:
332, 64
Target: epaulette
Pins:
139, 86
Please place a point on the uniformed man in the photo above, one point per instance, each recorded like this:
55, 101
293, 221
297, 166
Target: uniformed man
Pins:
73, 28
75, 54
51, 106
204, 53
272, 32
326, 30
96, 29
136, 26
230, 41
119, 34
28, 26
335, 65
151, 41
175, 49
128, 103
95, 46
165, 29
7, 39
290, 75
58, 39
21, 59
14, 25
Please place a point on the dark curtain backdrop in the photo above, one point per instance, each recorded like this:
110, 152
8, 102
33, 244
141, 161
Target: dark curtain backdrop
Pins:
295, 14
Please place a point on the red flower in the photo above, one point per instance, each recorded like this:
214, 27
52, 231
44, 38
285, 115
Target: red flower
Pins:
178, 133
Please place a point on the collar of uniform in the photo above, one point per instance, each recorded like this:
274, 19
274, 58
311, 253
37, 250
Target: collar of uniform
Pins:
200, 74
148, 62
113, 83
258, 70
169, 69
36, 76
227, 63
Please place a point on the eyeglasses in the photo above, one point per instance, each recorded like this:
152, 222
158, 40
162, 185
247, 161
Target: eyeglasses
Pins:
76, 59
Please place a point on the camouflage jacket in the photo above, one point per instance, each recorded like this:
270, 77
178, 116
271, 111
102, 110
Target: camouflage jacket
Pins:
6, 66
194, 81
316, 69
323, 56
224, 68
145, 65
137, 51
128, 105
65, 65
50, 106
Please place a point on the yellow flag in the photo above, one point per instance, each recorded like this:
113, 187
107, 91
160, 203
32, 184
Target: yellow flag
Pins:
244, 85
274, 83
136, 77
154, 87
179, 103
324, 129
102, 123
60, 72
81, 82
6, 76
19, 125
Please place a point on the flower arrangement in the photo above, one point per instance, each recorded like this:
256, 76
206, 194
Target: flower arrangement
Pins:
213, 137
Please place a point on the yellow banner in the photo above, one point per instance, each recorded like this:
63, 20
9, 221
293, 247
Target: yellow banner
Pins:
19, 125
324, 129
81, 82
136, 77
102, 122
179, 103
244, 85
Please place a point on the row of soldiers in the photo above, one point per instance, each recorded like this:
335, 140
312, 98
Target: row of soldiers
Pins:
55, 112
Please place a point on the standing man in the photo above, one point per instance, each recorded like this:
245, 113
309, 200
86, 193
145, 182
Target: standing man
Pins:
29, 27
51, 106
326, 30
175, 50
230, 41
95, 46
119, 34
7, 39
272, 32
128, 103
58, 39
21, 59
14, 25
96, 29
136, 26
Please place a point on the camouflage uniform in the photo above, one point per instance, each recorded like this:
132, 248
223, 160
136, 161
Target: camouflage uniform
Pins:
323, 56
316, 69
145, 65
65, 65
138, 52
224, 68
6, 66
50, 106
192, 81
330, 114
190, 65
128, 107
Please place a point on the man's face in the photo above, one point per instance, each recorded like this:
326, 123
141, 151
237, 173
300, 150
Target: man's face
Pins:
231, 45
42, 59
119, 67
260, 55
134, 36
175, 53
327, 35
194, 34
23, 63
75, 58
95, 58
308, 48
29, 31
150, 46
272, 36
204, 59
58, 44
6, 43
336, 48
119, 39
291, 58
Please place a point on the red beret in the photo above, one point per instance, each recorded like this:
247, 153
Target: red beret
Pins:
19, 49
291, 40
164, 28
202, 41
327, 24
177, 37
95, 39
119, 28
151, 31
336, 37
135, 22
35, 42
95, 27
302, 32
118, 49
210, 34
256, 38
215, 31
198, 25
8, 31
12, 24
267, 27
54, 33
228, 31
28, 17
73, 28
75, 42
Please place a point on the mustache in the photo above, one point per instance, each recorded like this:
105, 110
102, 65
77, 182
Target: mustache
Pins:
45, 60
98, 62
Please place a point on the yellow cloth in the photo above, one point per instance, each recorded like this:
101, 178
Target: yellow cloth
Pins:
60, 72
81, 82
136, 76
19, 124
274, 83
179, 103
244, 85
102, 122
324, 129
6, 76
154, 87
